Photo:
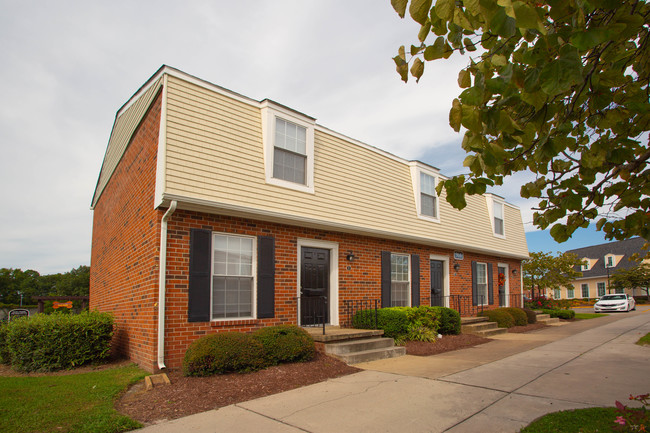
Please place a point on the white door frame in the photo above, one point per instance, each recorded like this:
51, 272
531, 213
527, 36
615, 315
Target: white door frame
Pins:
445, 277
507, 285
333, 299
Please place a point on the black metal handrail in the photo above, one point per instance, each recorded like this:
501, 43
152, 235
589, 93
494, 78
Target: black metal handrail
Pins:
352, 306
312, 311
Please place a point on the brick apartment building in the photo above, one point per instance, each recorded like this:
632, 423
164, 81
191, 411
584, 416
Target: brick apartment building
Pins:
215, 212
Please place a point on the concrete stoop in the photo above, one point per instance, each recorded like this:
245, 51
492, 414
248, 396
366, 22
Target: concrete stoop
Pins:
480, 326
364, 350
547, 319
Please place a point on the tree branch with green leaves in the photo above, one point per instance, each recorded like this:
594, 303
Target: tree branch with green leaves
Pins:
559, 88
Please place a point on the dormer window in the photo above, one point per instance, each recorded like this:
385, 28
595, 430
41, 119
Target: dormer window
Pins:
585, 265
495, 205
288, 140
428, 197
425, 179
289, 151
609, 261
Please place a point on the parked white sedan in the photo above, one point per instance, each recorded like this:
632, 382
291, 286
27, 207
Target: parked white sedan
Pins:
617, 302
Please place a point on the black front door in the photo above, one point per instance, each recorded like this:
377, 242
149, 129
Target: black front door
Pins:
314, 286
437, 291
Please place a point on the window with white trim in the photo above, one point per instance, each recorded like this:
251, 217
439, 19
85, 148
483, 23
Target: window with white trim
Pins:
288, 140
289, 151
609, 261
585, 290
498, 219
233, 276
585, 265
601, 289
428, 196
570, 293
400, 280
481, 283
557, 293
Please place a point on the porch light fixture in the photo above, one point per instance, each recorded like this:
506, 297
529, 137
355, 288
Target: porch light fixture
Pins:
456, 267
350, 257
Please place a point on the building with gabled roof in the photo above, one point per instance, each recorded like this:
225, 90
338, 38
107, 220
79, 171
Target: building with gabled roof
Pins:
599, 263
215, 212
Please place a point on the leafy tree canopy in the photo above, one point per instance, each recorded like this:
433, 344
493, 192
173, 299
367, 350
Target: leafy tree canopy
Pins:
14, 282
545, 271
556, 87
637, 277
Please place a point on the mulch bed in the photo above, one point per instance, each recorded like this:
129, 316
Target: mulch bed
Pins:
445, 344
190, 395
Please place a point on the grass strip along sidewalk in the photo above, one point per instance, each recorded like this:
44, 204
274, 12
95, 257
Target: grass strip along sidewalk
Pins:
67, 403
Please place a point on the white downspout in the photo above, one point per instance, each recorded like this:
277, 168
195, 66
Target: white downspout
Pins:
162, 282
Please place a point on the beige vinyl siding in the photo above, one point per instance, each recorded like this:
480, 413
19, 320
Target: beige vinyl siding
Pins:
126, 121
215, 154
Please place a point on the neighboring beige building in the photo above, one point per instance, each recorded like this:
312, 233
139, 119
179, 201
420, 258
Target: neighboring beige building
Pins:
600, 262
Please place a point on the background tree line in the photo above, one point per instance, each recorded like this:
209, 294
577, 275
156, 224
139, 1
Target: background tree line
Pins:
28, 283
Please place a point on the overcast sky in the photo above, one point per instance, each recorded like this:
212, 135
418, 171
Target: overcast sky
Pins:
67, 67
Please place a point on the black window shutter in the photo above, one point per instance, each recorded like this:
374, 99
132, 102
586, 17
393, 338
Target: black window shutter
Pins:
198, 294
474, 288
385, 279
490, 284
415, 280
265, 277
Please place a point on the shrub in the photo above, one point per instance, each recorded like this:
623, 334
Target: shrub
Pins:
58, 341
561, 314
541, 303
530, 315
393, 321
519, 315
285, 343
423, 323
449, 320
502, 317
4, 350
224, 353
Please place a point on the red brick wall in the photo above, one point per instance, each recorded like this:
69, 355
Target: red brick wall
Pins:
125, 246
361, 281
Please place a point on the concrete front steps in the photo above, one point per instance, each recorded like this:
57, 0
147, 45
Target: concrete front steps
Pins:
353, 346
480, 326
547, 319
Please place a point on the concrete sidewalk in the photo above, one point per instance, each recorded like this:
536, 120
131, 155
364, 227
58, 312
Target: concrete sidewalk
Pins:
500, 386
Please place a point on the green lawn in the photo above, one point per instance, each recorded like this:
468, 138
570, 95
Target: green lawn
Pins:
584, 316
72, 403
598, 419
645, 340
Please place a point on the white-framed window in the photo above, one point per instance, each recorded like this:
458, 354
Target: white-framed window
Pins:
481, 283
601, 289
620, 290
609, 261
585, 290
425, 180
428, 196
498, 219
557, 293
233, 276
400, 280
570, 293
585, 266
496, 211
288, 140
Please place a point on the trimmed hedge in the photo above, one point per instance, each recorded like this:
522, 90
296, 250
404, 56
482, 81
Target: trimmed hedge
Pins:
501, 316
57, 341
561, 314
5, 358
449, 320
393, 321
531, 315
285, 343
519, 315
224, 353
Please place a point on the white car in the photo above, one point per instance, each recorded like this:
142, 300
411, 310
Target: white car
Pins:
615, 302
